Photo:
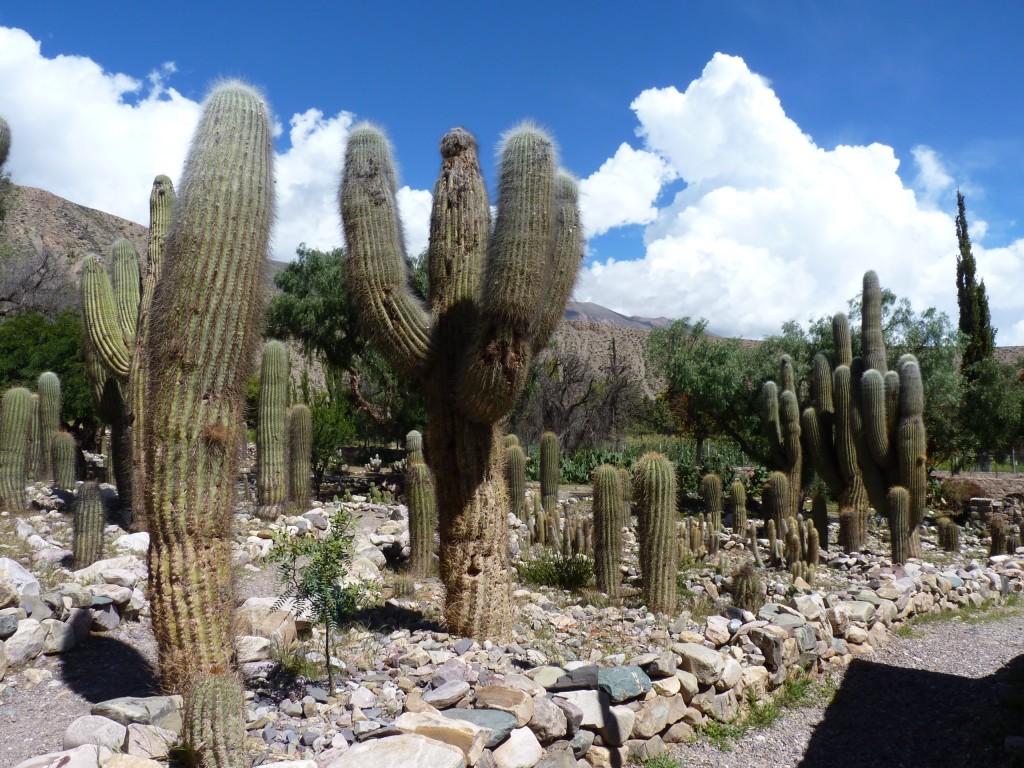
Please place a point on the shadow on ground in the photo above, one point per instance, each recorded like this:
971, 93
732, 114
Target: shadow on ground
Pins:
104, 668
908, 718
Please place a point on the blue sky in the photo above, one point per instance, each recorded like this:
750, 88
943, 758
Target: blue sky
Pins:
742, 161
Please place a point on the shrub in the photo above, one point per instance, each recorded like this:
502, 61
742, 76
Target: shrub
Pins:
956, 492
553, 569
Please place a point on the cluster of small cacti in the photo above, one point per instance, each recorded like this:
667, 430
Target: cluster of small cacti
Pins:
550, 470
496, 295
654, 493
949, 535
419, 490
790, 541
746, 588
780, 414
801, 570
87, 526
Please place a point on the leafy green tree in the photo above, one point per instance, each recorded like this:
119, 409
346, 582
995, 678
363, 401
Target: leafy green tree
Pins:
332, 428
315, 308
31, 343
312, 570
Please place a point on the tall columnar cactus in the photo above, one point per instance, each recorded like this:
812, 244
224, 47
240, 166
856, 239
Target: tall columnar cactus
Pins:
711, 493
654, 489
607, 529
550, 470
87, 526
775, 498
830, 426
271, 433
203, 336
738, 504
495, 298
422, 518
781, 422
15, 424
64, 457
414, 448
516, 472
891, 447
300, 456
48, 388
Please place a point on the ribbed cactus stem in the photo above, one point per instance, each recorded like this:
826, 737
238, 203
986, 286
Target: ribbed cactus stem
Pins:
772, 534
510, 440
161, 208
872, 340
819, 516
214, 721
15, 425
949, 535
755, 548
997, 534
654, 489
300, 456
813, 552
63, 460
414, 447
422, 518
5, 141
516, 478
550, 470
781, 423
203, 337
127, 284
48, 388
100, 310
34, 460
775, 498
271, 434
738, 505
607, 529
88, 523
899, 523
711, 493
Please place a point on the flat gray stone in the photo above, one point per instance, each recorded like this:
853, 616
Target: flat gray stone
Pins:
500, 723
703, 663
623, 683
162, 711
93, 729
26, 643
405, 751
85, 756
447, 695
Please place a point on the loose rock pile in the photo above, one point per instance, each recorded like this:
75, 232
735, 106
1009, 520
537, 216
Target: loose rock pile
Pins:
579, 685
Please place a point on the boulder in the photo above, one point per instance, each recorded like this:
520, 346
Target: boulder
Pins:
404, 751
521, 750
468, 737
93, 729
703, 663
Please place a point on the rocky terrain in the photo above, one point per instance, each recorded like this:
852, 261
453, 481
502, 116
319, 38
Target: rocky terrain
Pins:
584, 681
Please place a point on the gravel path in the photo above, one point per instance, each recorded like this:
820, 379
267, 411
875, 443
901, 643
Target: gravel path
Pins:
934, 699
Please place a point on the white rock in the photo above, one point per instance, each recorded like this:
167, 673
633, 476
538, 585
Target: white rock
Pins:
59, 637
15, 574
26, 643
405, 751
135, 543
94, 729
520, 750
85, 756
252, 648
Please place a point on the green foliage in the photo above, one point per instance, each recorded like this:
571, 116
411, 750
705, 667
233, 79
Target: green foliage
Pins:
972, 300
332, 428
555, 569
311, 569
315, 308
31, 343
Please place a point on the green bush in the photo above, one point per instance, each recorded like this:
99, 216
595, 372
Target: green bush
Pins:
333, 427
553, 569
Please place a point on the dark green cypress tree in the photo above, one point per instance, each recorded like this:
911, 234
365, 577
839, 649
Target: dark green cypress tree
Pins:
975, 321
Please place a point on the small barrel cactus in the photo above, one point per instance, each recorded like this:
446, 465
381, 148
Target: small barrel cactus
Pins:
654, 490
63, 459
997, 533
271, 435
607, 529
422, 518
300, 455
949, 535
88, 523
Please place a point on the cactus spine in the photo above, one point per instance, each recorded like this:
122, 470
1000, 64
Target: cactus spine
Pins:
48, 388
654, 489
781, 423
495, 299
300, 456
607, 529
516, 471
64, 458
87, 526
271, 434
550, 470
15, 425
202, 339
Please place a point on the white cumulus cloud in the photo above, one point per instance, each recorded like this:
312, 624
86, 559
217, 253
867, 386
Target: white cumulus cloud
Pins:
771, 226
98, 138
623, 190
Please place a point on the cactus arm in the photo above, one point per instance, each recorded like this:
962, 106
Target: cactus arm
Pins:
101, 320
876, 429
842, 340
871, 324
127, 285
820, 448
564, 266
375, 266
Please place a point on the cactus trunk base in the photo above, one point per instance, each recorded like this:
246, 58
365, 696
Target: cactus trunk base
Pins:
214, 722
853, 525
473, 506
